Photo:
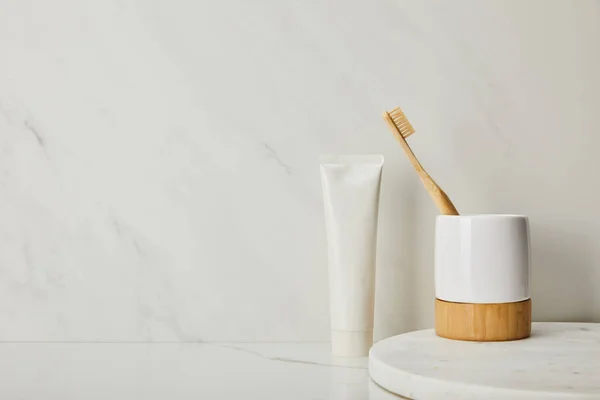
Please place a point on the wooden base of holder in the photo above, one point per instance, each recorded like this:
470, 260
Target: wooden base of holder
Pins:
483, 322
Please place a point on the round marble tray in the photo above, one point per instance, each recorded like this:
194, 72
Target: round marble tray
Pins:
558, 361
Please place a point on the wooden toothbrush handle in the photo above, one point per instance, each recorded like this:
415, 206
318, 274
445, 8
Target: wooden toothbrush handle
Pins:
447, 208
441, 199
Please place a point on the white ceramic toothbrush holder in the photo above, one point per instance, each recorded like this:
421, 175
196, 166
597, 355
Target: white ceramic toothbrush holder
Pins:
482, 273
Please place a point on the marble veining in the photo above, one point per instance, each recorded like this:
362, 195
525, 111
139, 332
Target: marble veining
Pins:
273, 154
159, 159
181, 371
289, 360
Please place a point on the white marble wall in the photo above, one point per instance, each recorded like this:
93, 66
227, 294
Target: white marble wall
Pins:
158, 159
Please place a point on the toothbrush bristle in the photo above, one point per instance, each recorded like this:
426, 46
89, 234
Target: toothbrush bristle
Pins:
401, 122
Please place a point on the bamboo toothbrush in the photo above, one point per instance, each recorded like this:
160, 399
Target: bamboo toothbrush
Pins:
401, 128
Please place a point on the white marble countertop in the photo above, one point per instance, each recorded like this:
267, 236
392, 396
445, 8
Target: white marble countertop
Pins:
559, 361
177, 371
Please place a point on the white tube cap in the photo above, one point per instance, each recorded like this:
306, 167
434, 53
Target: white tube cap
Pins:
351, 343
